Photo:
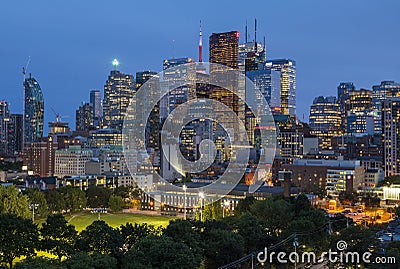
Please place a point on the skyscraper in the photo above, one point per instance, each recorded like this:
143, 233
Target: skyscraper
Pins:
118, 92
4, 120
391, 135
325, 120
386, 89
153, 122
342, 96
95, 100
175, 72
33, 110
84, 118
15, 134
358, 109
287, 68
224, 48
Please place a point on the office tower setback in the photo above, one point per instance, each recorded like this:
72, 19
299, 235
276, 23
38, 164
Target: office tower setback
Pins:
325, 120
287, 68
84, 118
118, 92
33, 110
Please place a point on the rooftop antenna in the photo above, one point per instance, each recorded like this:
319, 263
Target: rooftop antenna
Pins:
201, 45
115, 63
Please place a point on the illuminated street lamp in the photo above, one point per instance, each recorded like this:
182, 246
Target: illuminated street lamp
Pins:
33, 207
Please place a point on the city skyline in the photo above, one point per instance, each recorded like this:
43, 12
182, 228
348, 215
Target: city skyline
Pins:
65, 56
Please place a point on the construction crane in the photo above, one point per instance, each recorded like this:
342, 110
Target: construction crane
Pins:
58, 116
24, 69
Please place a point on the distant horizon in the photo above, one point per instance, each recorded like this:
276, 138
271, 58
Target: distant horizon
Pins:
71, 55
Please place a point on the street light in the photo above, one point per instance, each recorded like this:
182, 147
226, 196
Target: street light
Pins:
184, 202
201, 195
33, 207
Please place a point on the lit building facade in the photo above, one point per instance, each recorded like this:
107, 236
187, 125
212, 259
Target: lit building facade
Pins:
95, 100
386, 89
118, 92
84, 118
358, 111
325, 120
391, 136
71, 161
33, 111
287, 68
4, 124
39, 156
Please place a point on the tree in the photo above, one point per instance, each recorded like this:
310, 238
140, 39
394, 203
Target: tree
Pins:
185, 231
37, 197
275, 214
18, 237
222, 247
212, 211
98, 196
302, 203
133, 233
58, 237
38, 262
116, 203
165, 253
124, 192
75, 199
13, 202
55, 201
100, 237
244, 205
251, 230
94, 261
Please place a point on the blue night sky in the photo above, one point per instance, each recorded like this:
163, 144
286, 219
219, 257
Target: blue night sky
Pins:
72, 43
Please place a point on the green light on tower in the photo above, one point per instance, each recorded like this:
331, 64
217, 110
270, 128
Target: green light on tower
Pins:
115, 63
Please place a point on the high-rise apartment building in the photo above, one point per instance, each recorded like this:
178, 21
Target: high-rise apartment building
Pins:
325, 120
118, 92
287, 68
391, 135
33, 111
386, 89
84, 118
95, 100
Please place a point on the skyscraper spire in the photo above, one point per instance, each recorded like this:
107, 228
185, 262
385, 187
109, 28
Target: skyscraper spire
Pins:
255, 34
201, 45
245, 37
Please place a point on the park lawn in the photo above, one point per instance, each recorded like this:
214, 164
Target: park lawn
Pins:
82, 220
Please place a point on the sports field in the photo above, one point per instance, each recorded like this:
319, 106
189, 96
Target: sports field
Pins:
82, 220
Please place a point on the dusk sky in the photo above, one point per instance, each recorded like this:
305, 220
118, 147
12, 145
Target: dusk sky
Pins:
72, 43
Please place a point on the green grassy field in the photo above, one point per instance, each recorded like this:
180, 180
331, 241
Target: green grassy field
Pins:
82, 220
